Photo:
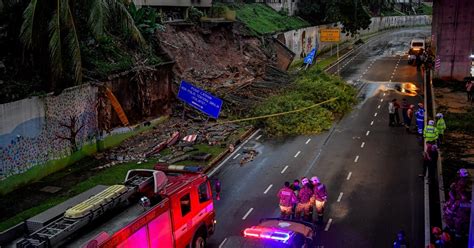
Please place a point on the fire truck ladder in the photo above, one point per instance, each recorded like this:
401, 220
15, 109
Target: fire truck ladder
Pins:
82, 214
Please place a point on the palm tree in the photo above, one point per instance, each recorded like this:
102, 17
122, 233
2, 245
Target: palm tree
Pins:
55, 25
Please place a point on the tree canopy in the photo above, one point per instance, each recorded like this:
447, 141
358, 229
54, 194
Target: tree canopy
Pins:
350, 13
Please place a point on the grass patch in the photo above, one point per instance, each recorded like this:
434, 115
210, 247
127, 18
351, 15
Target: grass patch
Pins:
264, 20
462, 122
109, 176
311, 87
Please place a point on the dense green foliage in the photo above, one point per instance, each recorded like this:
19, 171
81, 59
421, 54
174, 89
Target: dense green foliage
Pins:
425, 10
311, 87
264, 20
351, 14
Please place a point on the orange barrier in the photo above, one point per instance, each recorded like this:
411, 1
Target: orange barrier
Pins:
117, 107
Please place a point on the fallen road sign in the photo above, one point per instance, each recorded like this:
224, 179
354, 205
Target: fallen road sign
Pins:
200, 99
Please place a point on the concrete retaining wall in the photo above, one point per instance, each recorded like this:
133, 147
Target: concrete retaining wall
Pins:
301, 41
36, 130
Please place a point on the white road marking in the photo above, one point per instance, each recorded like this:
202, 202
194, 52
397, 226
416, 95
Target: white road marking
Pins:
378, 106
236, 156
375, 114
222, 243
372, 123
328, 225
362, 145
340, 197
235, 151
298, 153
349, 175
381, 100
258, 137
308, 141
247, 214
356, 158
284, 169
367, 134
268, 188
383, 94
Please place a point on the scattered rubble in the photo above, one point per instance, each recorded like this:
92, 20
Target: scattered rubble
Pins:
135, 149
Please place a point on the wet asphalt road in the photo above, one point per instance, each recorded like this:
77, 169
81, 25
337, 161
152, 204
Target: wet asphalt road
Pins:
371, 170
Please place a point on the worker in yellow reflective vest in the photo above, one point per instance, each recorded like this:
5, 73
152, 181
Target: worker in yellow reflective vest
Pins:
430, 133
440, 126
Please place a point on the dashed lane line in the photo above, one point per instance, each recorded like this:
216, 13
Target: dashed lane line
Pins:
375, 114
222, 243
349, 175
268, 188
378, 107
298, 153
340, 197
308, 141
356, 159
381, 100
238, 154
372, 123
284, 169
367, 134
258, 137
362, 145
247, 214
328, 225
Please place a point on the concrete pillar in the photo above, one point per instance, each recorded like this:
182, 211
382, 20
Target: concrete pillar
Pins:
453, 30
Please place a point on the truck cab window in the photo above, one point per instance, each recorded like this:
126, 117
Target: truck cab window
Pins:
185, 202
203, 192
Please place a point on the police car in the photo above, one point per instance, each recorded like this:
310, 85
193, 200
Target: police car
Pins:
275, 233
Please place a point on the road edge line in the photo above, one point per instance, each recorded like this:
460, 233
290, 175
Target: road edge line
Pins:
216, 168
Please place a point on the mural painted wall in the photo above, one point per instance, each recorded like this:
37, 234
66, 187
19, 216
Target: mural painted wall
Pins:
35, 130
301, 41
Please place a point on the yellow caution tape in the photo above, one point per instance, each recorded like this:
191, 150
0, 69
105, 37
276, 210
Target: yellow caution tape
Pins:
281, 113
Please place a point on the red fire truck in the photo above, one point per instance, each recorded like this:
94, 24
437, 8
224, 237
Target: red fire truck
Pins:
169, 207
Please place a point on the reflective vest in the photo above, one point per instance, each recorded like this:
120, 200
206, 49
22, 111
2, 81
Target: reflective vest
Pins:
441, 126
430, 133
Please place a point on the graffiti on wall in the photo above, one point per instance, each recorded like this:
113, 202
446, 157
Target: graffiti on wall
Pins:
60, 127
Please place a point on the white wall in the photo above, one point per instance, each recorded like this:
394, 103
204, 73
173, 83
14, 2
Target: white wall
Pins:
301, 41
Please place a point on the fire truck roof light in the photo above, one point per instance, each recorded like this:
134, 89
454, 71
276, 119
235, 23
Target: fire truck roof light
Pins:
267, 233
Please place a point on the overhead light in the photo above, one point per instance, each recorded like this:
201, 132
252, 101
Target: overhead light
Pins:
471, 56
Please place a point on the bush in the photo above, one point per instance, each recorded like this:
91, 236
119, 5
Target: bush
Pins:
194, 15
310, 88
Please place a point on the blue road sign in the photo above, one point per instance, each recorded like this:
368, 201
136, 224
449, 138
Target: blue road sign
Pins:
200, 99
310, 57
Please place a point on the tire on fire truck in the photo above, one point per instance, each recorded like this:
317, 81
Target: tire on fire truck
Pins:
199, 240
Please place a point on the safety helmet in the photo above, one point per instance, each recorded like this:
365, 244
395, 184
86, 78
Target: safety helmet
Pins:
436, 230
420, 105
430, 122
304, 181
315, 179
463, 172
439, 115
445, 237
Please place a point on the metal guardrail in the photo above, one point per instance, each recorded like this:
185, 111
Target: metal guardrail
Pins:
471, 225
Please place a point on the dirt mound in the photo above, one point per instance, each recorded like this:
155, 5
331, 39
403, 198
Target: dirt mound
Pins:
214, 57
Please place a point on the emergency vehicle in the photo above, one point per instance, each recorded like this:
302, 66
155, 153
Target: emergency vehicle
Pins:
168, 207
275, 233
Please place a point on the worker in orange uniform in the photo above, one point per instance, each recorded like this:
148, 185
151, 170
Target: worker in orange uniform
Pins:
320, 197
287, 199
